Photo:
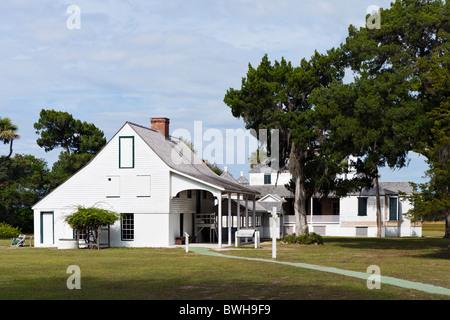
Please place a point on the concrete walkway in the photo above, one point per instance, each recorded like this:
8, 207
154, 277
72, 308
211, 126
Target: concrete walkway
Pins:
361, 275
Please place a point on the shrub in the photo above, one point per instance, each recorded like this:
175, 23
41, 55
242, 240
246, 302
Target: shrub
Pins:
316, 238
7, 231
290, 238
91, 218
307, 238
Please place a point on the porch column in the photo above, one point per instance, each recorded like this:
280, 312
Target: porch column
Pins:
246, 211
246, 214
219, 222
238, 210
229, 219
312, 209
254, 213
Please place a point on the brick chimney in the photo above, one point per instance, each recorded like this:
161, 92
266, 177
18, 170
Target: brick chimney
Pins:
161, 125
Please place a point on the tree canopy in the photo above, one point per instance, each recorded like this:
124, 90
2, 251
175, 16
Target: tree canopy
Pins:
276, 96
8, 133
401, 77
60, 129
80, 141
24, 180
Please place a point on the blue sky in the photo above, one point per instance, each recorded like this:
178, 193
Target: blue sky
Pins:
133, 60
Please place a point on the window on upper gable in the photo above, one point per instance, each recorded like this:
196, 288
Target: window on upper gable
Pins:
267, 178
126, 152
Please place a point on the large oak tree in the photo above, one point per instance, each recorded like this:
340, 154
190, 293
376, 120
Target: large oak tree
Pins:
276, 96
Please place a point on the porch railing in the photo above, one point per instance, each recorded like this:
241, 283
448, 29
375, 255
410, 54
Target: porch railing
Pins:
290, 219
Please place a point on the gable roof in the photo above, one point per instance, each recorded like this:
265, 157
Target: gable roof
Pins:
279, 190
242, 180
387, 188
177, 156
262, 167
227, 176
272, 198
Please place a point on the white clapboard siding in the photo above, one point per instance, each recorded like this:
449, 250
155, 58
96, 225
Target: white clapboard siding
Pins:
91, 186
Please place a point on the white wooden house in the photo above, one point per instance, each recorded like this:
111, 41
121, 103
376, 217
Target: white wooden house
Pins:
159, 185
354, 215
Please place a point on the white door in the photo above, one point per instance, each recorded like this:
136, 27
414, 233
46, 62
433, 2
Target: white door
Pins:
47, 228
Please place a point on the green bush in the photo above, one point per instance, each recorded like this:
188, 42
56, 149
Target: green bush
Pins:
7, 231
91, 218
289, 239
307, 238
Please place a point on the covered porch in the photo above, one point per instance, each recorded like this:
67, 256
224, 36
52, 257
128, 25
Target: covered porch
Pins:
195, 210
319, 214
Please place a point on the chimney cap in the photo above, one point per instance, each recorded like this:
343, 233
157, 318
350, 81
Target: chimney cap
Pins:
164, 119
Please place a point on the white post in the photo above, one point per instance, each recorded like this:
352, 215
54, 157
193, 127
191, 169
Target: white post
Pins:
274, 229
254, 213
238, 211
229, 219
246, 211
257, 240
219, 212
186, 235
246, 214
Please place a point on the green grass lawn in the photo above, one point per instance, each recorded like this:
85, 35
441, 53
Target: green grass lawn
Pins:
144, 273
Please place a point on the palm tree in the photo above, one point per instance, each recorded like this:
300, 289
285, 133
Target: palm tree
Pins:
8, 133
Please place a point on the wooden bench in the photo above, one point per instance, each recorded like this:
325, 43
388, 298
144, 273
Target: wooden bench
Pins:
247, 233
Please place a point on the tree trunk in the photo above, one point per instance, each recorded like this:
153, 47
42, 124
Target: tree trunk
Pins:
10, 149
301, 225
377, 193
296, 169
447, 226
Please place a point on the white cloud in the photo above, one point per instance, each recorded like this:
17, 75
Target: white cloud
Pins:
132, 60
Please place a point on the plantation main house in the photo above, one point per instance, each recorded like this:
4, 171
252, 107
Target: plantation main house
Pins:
163, 190
354, 215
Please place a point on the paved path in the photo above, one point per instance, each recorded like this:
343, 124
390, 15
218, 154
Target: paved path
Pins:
361, 275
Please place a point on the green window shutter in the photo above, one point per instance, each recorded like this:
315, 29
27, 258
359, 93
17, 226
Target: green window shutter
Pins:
362, 206
393, 205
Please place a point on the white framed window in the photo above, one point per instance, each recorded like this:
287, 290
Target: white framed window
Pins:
127, 227
112, 186
143, 186
126, 152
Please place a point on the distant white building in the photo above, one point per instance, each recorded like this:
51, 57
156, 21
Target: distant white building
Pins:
354, 215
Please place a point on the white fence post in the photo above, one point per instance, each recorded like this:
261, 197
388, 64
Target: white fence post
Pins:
186, 241
274, 232
257, 240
